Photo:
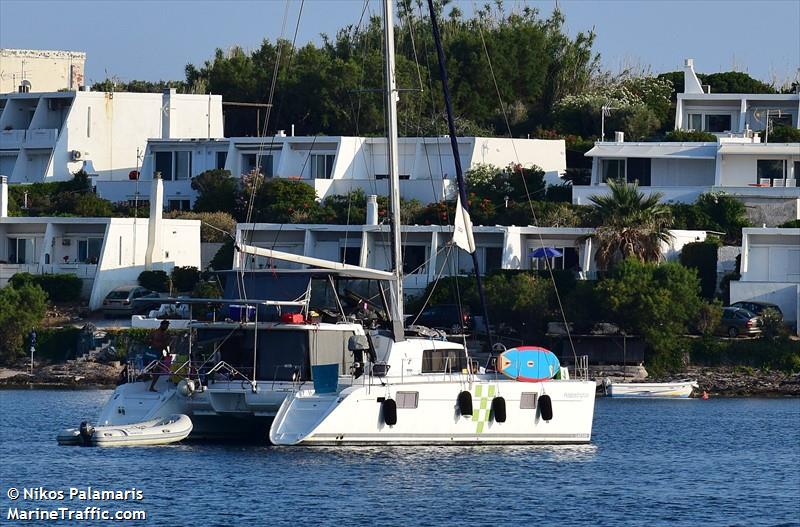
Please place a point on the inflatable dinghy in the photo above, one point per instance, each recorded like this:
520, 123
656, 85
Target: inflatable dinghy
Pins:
161, 431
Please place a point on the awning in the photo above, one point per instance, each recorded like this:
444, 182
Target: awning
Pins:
761, 148
655, 150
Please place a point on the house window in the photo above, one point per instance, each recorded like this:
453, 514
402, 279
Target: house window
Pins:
21, 250
696, 121
717, 123
220, 161
613, 169
322, 166
164, 165
179, 204
263, 163
350, 255
183, 165
414, 259
89, 250
494, 259
638, 170
444, 360
567, 260
770, 169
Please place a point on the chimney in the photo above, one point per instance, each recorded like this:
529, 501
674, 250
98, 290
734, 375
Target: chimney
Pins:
154, 225
281, 133
619, 137
372, 210
3, 197
168, 117
691, 84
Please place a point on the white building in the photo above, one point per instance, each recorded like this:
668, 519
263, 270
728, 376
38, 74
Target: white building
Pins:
337, 165
104, 252
770, 268
427, 251
40, 70
740, 163
50, 136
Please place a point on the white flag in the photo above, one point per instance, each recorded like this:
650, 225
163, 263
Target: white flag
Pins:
462, 235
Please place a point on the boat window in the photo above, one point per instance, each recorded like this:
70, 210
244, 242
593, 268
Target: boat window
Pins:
407, 399
527, 400
281, 354
444, 360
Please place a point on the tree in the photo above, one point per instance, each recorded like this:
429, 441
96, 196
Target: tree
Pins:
725, 213
21, 310
275, 200
630, 224
216, 191
784, 134
656, 301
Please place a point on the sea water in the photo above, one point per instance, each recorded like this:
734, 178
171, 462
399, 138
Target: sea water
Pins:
650, 463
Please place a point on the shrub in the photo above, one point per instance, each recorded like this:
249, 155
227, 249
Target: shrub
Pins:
155, 280
772, 327
57, 344
560, 193
207, 289
689, 136
783, 134
216, 191
58, 287
791, 224
213, 227
22, 308
781, 354
726, 213
702, 256
185, 278
708, 317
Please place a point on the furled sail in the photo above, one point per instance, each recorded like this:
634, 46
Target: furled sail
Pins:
462, 235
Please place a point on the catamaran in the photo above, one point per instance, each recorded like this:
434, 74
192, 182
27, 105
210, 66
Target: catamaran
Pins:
282, 363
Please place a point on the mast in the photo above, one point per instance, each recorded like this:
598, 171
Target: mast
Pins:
396, 300
462, 190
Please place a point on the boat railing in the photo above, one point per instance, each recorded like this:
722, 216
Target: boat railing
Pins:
232, 373
582, 368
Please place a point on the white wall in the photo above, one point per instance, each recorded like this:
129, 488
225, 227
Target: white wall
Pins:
45, 70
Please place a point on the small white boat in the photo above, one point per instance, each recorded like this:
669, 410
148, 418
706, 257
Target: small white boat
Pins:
160, 431
651, 390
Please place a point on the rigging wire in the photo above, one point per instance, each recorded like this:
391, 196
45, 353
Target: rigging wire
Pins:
525, 185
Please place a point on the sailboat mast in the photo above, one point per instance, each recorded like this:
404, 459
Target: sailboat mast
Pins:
396, 299
462, 189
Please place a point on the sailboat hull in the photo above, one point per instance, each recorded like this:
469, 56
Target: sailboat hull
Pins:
429, 413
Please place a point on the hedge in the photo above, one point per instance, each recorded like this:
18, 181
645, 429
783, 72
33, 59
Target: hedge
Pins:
185, 278
59, 287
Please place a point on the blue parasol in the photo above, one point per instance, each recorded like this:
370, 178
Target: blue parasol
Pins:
545, 252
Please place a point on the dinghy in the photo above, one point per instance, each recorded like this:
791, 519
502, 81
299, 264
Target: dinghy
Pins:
160, 431
651, 390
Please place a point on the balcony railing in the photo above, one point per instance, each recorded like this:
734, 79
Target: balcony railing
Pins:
41, 138
11, 139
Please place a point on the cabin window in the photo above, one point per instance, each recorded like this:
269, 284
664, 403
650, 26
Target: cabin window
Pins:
282, 354
89, 250
264, 164
407, 399
613, 169
444, 360
330, 347
527, 401
322, 166
717, 123
221, 158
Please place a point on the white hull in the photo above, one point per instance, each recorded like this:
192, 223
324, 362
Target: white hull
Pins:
651, 390
161, 431
355, 415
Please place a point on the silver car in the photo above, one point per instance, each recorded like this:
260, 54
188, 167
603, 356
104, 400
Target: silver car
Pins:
129, 300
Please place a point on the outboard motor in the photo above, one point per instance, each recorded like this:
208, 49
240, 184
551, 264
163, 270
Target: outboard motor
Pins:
86, 432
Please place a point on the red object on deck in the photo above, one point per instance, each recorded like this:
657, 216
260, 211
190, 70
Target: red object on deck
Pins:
293, 318
133, 175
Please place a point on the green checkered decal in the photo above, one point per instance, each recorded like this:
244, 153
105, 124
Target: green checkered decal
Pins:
480, 414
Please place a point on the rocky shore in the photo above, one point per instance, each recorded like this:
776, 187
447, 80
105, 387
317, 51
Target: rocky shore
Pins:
722, 381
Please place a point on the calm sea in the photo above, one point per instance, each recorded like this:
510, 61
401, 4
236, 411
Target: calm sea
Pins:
715, 462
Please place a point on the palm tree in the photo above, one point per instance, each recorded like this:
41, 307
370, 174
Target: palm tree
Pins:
631, 224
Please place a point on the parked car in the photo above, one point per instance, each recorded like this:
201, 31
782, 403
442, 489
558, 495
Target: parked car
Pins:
129, 300
446, 316
757, 308
737, 321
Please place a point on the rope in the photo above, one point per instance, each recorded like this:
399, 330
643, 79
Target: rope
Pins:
525, 185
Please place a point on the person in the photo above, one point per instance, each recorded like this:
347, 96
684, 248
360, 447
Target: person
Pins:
159, 342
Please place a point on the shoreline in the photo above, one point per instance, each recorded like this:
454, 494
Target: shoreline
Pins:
717, 381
